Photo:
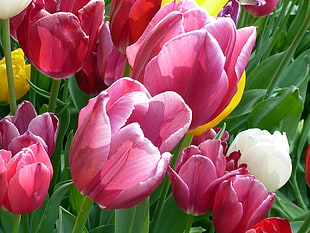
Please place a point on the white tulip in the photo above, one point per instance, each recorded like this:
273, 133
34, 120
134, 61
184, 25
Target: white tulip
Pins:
10, 8
266, 155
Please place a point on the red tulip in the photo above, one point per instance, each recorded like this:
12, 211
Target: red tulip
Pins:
197, 170
261, 8
26, 128
201, 58
24, 179
58, 36
272, 225
105, 65
308, 166
129, 18
119, 153
241, 201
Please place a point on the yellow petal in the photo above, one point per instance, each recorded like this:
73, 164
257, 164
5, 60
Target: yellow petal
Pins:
21, 72
232, 105
213, 7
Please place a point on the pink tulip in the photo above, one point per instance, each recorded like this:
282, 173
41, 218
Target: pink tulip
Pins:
241, 201
272, 225
119, 153
26, 128
105, 65
24, 179
231, 9
261, 8
195, 175
199, 57
58, 36
129, 18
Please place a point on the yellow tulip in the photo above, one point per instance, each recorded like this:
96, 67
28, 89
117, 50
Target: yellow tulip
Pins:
21, 72
213, 7
232, 105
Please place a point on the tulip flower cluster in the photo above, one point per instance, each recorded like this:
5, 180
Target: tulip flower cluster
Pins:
138, 151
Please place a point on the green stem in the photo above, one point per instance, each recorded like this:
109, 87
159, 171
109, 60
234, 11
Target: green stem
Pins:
54, 95
190, 220
8, 60
83, 215
297, 192
33, 79
283, 207
287, 57
16, 223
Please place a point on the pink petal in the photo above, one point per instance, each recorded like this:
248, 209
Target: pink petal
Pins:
227, 211
46, 127
25, 140
198, 173
192, 65
138, 192
24, 115
140, 54
8, 132
166, 120
91, 144
28, 188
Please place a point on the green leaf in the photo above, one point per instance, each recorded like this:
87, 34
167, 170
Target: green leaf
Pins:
79, 98
197, 230
261, 75
66, 221
50, 214
6, 221
172, 219
268, 113
133, 220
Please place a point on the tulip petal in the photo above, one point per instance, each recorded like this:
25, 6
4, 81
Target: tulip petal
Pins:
226, 208
172, 120
23, 116
25, 191
138, 192
58, 35
196, 73
46, 127
91, 142
5, 157
133, 159
8, 131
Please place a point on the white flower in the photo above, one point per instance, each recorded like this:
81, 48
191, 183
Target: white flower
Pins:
266, 155
10, 8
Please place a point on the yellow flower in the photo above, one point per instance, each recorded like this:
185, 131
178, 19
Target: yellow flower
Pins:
232, 105
213, 7
21, 72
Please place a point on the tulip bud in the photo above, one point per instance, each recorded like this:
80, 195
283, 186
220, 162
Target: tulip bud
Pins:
24, 179
196, 170
266, 156
21, 72
10, 8
241, 201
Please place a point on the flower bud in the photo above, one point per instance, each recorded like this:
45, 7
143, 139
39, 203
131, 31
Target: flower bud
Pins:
266, 156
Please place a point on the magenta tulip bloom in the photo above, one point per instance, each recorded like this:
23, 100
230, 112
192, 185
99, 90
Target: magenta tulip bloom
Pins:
307, 166
272, 225
241, 201
199, 57
195, 175
129, 18
119, 153
58, 36
24, 179
26, 128
105, 65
